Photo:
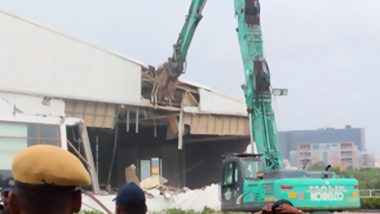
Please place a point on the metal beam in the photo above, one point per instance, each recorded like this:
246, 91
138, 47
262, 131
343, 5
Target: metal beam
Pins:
127, 121
89, 157
209, 139
180, 130
137, 121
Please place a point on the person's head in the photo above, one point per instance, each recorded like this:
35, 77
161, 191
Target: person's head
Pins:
7, 186
279, 203
130, 199
46, 181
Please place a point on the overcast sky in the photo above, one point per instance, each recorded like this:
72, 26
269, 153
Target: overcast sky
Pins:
327, 53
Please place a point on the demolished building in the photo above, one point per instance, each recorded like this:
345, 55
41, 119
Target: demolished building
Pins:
45, 73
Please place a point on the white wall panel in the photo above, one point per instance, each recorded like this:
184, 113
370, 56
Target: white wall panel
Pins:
213, 102
37, 60
31, 105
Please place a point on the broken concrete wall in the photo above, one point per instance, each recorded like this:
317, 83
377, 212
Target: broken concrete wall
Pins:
143, 145
131, 148
204, 160
102, 140
197, 165
132, 154
172, 164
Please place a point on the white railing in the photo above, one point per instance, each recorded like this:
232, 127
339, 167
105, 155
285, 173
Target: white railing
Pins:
370, 193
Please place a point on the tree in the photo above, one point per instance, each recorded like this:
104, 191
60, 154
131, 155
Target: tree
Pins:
319, 166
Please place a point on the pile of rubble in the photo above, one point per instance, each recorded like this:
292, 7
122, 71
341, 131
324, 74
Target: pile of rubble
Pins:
164, 197
161, 197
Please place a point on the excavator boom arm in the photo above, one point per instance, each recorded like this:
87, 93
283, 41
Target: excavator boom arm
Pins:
181, 47
166, 75
257, 83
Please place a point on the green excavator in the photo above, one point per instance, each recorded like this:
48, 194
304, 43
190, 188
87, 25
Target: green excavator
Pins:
249, 181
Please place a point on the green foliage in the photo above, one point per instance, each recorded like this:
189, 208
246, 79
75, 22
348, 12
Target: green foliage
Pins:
90, 212
179, 211
319, 166
370, 203
368, 177
206, 210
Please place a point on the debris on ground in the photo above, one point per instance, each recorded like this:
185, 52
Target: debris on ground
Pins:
131, 175
152, 182
162, 198
184, 198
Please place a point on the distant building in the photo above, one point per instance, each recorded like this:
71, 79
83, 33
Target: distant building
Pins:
293, 158
377, 162
367, 160
338, 154
290, 139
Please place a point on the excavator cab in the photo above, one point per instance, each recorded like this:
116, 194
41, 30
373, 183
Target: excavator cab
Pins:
237, 169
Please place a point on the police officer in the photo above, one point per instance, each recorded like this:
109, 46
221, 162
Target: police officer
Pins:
46, 181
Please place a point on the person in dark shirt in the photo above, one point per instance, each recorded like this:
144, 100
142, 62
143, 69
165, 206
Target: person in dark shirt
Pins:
7, 186
130, 199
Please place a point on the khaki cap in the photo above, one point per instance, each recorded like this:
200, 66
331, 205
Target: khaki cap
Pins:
46, 164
